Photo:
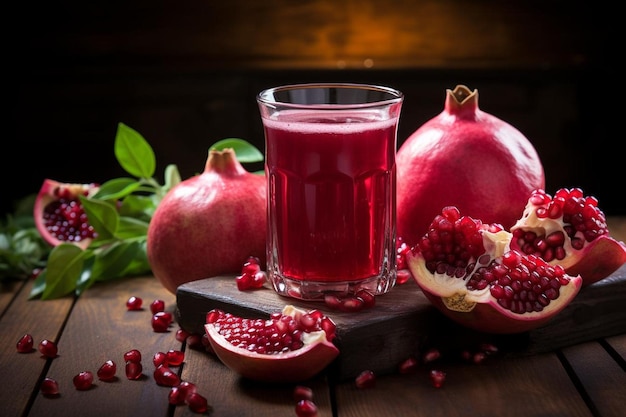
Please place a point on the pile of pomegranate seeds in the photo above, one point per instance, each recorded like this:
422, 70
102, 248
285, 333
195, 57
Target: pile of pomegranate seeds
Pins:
252, 276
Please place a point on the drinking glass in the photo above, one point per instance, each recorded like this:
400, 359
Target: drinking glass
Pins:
331, 180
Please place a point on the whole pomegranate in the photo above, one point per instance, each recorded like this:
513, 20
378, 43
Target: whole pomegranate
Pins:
209, 224
467, 270
466, 158
59, 215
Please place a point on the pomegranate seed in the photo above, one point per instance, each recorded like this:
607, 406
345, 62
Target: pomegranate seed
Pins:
195, 341
134, 303
161, 321
132, 355
174, 357
366, 379
159, 358
83, 380
157, 306
49, 387
134, 370
300, 392
182, 335
403, 276
164, 376
479, 357
197, 403
187, 388
25, 344
437, 378
176, 396
431, 355
48, 348
408, 366
306, 408
107, 371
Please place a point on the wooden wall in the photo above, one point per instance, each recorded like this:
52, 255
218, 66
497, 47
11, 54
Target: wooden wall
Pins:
185, 74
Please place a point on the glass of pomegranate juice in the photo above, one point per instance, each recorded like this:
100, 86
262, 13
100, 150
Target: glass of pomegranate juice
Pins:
331, 177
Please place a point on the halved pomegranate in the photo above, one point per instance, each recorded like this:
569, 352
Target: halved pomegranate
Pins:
569, 229
292, 345
59, 215
467, 270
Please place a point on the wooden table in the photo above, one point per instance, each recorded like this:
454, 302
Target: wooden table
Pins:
586, 379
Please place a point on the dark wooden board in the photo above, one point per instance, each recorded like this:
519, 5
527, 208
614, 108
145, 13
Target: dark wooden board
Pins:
404, 323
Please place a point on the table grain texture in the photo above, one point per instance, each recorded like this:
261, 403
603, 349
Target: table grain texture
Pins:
584, 379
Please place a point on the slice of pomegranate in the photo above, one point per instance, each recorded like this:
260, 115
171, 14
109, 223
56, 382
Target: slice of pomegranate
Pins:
292, 345
467, 270
569, 229
59, 215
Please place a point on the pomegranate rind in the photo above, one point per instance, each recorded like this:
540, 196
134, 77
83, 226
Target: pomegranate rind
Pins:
46, 195
294, 366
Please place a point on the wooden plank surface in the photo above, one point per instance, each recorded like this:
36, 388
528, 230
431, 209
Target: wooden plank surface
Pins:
403, 320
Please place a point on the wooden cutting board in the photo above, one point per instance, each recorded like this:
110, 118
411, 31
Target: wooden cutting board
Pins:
404, 323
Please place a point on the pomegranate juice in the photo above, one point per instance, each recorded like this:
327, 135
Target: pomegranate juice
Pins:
331, 185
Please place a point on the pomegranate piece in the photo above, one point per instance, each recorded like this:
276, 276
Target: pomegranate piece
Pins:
107, 371
83, 380
49, 387
570, 230
134, 303
59, 215
306, 408
465, 268
292, 345
48, 348
25, 344
366, 379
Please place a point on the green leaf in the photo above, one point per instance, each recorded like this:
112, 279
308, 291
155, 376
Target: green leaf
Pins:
65, 265
172, 176
133, 152
111, 262
131, 228
245, 151
102, 216
139, 206
116, 189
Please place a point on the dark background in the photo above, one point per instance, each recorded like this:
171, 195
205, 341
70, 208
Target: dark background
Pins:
185, 75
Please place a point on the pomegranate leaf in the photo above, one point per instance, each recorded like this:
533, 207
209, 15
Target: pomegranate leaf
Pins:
112, 261
117, 188
102, 216
133, 152
65, 265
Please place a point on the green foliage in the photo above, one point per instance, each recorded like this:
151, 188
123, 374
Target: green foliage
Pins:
120, 212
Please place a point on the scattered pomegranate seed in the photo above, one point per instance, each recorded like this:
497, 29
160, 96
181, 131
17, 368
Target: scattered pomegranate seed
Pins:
25, 344
187, 388
182, 335
83, 380
306, 408
197, 403
107, 371
159, 358
366, 379
479, 357
252, 276
50, 387
132, 355
176, 396
437, 378
195, 341
431, 355
164, 376
161, 321
350, 303
134, 303
156, 306
175, 357
403, 276
301, 392
408, 366
48, 348
134, 370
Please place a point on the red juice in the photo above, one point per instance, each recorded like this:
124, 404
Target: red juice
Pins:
331, 185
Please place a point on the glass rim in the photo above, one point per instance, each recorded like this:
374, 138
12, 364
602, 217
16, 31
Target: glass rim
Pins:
267, 96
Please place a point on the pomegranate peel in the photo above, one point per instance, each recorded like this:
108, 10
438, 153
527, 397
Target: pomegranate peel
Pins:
313, 351
59, 216
570, 230
466, 269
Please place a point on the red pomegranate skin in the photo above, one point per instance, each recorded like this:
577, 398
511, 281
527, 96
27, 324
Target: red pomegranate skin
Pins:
209, 224
467, 158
